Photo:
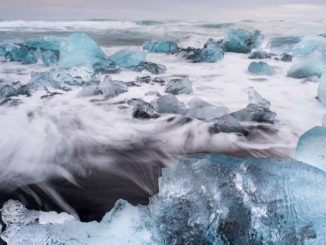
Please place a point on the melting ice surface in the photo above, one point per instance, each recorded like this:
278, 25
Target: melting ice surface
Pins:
205, 199
64, 118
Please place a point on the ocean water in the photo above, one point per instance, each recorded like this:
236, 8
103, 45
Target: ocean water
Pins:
80, 156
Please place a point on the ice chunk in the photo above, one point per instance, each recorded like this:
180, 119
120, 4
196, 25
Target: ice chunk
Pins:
308, 45
313, 65
228, 124
59, 79
284, 44
14, 52
286, 57
31, 57
258, 109
160, 46
142, 109
126, 58
257, 99
45, 80
261, 68
34, 227
108, 88
261, 55
211, 43
179, 86
207, 112
241, 41
203, 199
209, 54
322, 89
30, 50
81, 50
150, 67
202, 110
197, 102
169, 104
311, 147
50, 57
9, 89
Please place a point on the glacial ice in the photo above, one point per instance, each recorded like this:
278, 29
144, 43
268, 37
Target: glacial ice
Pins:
261, 68
204, 199
142, 109
63, 78
29, 51
202, 110
312, 65
8, 89
284, 44
126, 58
108, 88
286, 57
31, 58
80, 50
322, 89
258, 109
14, 52
149, 67
311, 147
195, 55
260, 54
214, 44
167, 47
179, 86
308, 45
241, 41
169, 104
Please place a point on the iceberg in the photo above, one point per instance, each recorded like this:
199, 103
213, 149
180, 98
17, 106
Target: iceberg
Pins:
261, 68
258, 110
284, 44
142, 109
149, 67
126, 58
322, 89
313, 65
203, 199
167, 47
311, 147
208, 54
80, 50
179, 86
308, 45
241, 41
260, 55
169, 104
108, 88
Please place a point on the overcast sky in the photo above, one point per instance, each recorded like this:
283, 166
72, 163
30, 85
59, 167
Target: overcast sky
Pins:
162, 9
